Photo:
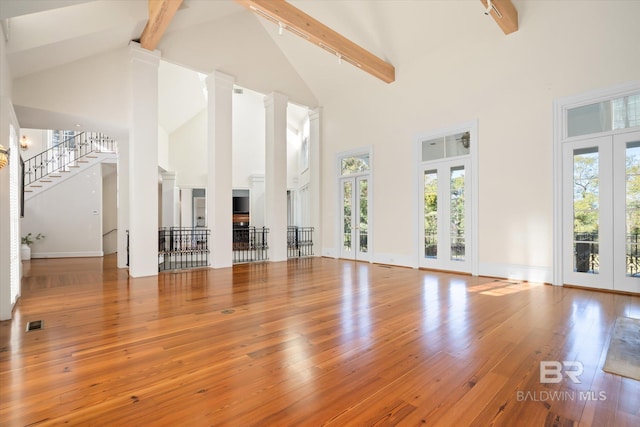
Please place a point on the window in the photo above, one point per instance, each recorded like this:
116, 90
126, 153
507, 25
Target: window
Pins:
446, 146
355, 164
604, 116
58, 136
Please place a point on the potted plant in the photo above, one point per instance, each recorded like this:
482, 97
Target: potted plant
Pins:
27, 241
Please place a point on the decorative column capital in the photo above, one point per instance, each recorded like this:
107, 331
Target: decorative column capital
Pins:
169, 176
315, 114
138, 53
276, 99
220, 80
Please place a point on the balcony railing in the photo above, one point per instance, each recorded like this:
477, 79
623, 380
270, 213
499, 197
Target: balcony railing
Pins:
299, 242
182, 247
250, 244
458, 246
586, 251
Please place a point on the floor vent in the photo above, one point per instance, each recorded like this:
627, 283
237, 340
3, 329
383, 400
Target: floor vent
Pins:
35, 325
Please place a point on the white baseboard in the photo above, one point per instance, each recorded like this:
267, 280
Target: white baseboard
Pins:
329, 252
517, 272
394, 259
67, 254
506, 271
378, 258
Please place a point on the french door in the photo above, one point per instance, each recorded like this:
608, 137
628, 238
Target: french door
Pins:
601, 212
354, 221
445, 206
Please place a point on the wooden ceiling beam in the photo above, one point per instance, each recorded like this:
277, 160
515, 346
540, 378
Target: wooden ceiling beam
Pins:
293, 19
504, 13
161, 12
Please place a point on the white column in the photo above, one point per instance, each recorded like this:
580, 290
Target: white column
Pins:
276, 175
123, 200
143, 167
315, 138
219, 178
170, 200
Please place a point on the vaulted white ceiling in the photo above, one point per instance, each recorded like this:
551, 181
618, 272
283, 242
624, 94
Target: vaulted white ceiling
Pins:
208, 35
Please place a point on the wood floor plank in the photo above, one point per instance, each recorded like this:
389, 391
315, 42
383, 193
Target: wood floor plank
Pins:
305, 342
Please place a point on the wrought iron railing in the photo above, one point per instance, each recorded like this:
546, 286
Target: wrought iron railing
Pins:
65, 154
299, 242
587, 253
362, 237
183, 247
430, 243
250, 244
633, 255
458, 246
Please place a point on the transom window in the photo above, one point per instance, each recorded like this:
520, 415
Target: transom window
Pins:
604, 116
354, 164
446, 146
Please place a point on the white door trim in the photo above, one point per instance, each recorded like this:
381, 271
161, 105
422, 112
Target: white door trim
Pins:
338, 206
560, 107
472, 127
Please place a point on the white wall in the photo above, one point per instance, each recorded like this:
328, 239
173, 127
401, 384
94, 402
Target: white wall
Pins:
248, 137
186, 207
69, 215
38, 140
163, 148
253, 57
187, 147
187, 151
293, 154
507, 83
96, 88
188, 154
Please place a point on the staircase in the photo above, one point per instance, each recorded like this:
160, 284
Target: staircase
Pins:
64, 160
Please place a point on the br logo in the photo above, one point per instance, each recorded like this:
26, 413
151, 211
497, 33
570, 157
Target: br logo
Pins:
552, 371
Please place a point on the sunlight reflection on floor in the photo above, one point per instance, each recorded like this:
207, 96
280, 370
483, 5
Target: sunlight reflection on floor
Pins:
503, 287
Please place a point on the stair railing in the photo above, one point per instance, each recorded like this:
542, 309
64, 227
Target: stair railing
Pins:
61, 156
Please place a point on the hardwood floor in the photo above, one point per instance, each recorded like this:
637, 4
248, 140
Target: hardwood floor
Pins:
306, 343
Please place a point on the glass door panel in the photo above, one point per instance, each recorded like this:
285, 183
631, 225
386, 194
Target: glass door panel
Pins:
626, 205
632, 208
445, 218
430, 216
587, 213
601, 210
363, 214
586, 218
355, 234
347, 214
457, 213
